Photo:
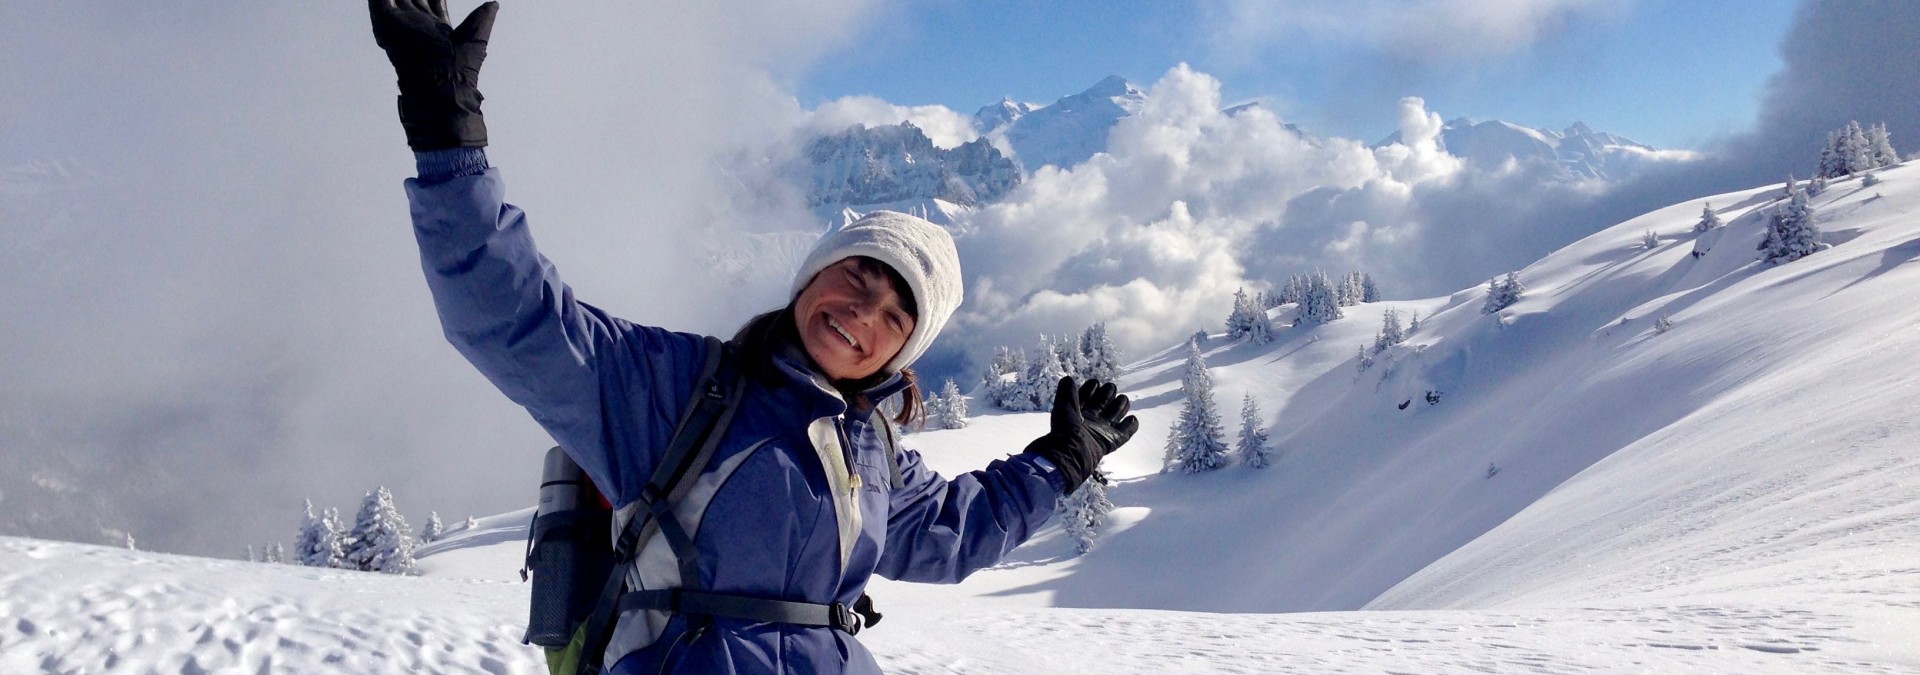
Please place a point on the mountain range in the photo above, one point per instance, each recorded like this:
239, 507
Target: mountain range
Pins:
866, 168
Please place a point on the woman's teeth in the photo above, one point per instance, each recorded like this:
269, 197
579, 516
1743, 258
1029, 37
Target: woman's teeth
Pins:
843, 333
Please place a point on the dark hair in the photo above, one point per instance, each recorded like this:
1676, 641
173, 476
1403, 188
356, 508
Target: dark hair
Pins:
762, 337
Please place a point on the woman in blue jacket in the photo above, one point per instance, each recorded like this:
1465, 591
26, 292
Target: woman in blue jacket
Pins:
797, 503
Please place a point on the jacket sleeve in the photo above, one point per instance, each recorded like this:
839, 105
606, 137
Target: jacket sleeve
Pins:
940, 530
607, 391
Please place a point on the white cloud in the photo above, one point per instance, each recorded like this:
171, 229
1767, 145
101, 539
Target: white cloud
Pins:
1413, 29
1190, 204
946, 128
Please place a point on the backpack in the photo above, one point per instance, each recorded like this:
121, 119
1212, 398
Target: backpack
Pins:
579, 572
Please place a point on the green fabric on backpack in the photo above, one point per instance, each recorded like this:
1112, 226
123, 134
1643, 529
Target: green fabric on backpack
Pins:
566, 660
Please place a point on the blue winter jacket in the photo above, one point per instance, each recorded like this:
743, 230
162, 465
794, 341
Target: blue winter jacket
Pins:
796, 503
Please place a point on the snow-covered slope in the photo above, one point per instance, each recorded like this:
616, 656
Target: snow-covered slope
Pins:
1578, 151
1738, 492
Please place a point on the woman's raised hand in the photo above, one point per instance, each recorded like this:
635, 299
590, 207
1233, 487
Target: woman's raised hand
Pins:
1089, 422
438, 66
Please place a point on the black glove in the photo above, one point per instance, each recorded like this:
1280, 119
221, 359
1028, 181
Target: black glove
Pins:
439, 69
1089, 422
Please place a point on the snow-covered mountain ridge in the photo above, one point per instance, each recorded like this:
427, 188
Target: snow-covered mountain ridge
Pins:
898, 167
1733, 489
1578, 151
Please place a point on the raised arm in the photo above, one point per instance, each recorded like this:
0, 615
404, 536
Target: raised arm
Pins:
603, 388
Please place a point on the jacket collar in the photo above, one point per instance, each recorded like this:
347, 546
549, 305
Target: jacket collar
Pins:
793, 362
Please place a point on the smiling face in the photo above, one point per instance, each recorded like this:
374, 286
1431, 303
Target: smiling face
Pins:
852, 319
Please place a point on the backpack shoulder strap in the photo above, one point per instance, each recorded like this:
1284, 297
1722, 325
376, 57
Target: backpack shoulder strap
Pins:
703, 422
893, 452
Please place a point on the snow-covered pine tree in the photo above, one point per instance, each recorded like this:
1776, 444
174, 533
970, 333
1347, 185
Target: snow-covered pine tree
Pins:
1708, 219
1831, 165
250, 555
1295, 289
319, 542
1413, 326
470, 523
1240, 320
1870, 180
1815, 186
129, 542
1502, 293
1650, 240
381, 540
1369, 291
1067, 349
1253, 448
1196, 442
1043, 376
277, 553
1856, 152
1006, 383
1320, 302
335, 541
1259, 326
1102, 357
953, 407
1880, 150
1348, 292
1791, 232
1083, 512
434, 530
1390, 332
1366, 359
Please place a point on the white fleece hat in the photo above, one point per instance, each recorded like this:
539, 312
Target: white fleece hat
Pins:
921, 252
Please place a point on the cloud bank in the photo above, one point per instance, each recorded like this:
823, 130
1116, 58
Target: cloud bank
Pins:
1191, 203
213, 302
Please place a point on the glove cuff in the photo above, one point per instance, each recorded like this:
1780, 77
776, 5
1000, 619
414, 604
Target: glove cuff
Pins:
435, 123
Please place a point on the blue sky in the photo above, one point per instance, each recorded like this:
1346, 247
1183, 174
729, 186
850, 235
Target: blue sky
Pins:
1671, 73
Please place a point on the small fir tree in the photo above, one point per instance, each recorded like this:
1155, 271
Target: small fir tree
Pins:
1708, 219
470, 523
1006, 384
1101, 356
1197, 442
1791, 232
1083, 512
1320, 302
381, 540
1413, 325
1369, 291
1043, 376
1880, 150
1366, 359
1831, 164
1502, 293
1240, 320
130, 544
1253, 448
321, 542
1870, 180
250, 556
434, 530
1858, 154
277, 553
1390, 332
1650, 240
953, 407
